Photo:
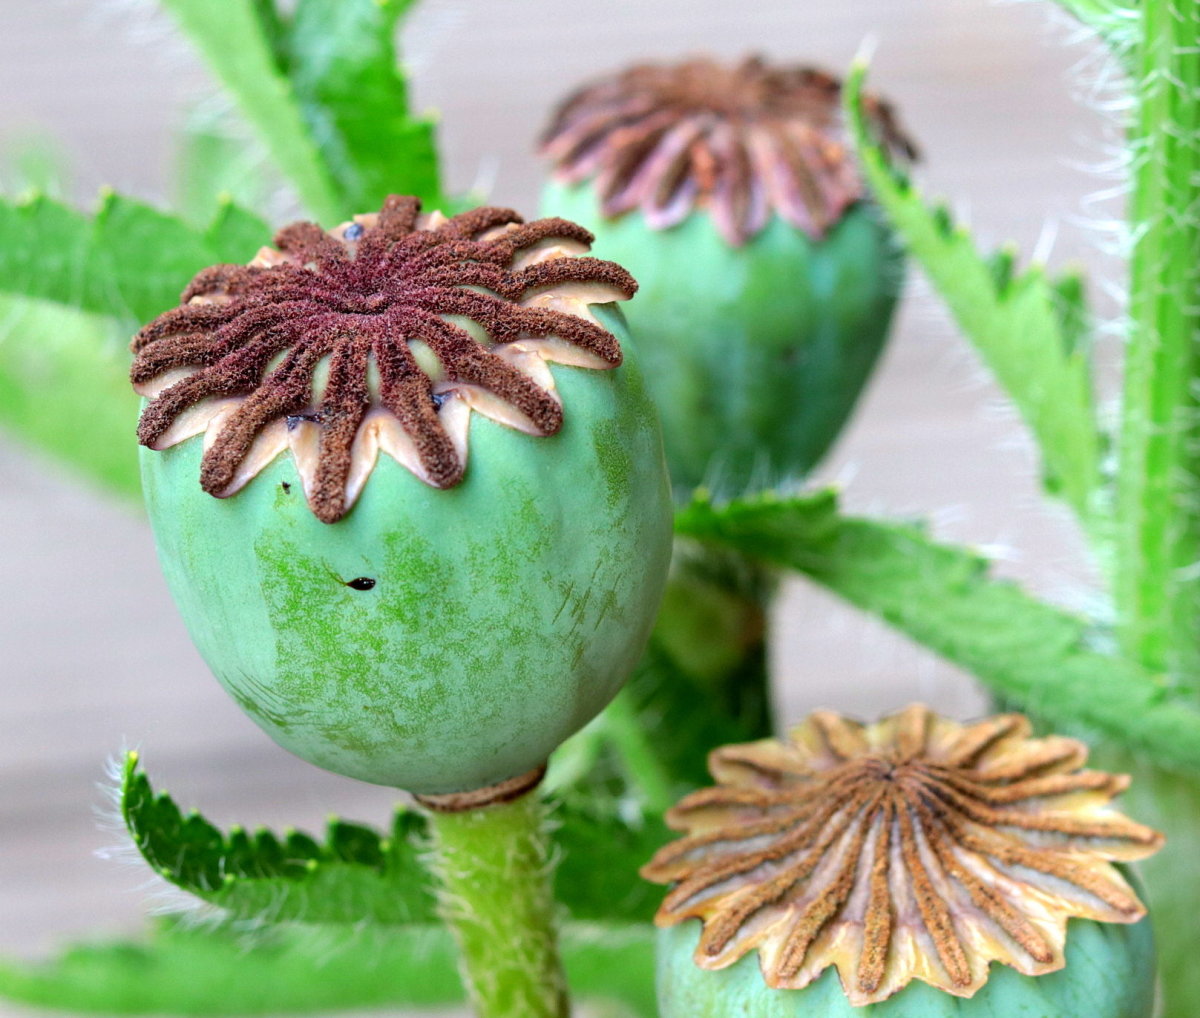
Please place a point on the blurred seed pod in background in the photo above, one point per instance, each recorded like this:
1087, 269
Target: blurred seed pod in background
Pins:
767, 280
941, 869
382, 604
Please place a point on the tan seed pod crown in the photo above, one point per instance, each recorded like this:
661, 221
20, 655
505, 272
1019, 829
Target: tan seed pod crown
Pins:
912, 848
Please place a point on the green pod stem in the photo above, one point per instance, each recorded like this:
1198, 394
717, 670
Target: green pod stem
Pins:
713, 623
756, 355
493, 868
1157, 587
1109, 974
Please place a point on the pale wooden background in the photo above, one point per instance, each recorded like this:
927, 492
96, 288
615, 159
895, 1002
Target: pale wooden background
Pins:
92, 655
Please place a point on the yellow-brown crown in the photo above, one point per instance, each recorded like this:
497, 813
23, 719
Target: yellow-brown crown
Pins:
913, 848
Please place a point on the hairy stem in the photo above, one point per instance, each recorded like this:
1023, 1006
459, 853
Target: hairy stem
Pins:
493, 866
1158, 535
1111, 19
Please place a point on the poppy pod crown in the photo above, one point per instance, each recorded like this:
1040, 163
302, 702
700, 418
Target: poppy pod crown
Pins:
916, 848
743, 141
379, 336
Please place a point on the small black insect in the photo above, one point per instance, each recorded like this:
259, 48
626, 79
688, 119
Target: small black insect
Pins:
353, 231
287, 488
360, 583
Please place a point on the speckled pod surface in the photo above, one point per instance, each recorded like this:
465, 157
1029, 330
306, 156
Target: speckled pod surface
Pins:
755, 355
433, 640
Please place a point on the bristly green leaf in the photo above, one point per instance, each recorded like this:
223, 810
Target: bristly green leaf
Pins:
64, 387
1041, 657
219, 159
233, 36
357, 875
150, 257
353, 875
73, 288
343, 64
212, 971
129, 261
1027, 328
600, 851
322, 88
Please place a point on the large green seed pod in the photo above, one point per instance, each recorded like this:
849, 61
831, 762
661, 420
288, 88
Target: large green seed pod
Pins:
942, 870
380, 606
767, 281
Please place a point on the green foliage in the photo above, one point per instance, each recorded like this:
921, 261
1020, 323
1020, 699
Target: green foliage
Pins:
189, 968
356, 874
684, 711
64, 387
322, 88
1029, 329
72, 290
353, 875
600, 848
341, 57
232, 38
1043, 658
129, 260
218, 159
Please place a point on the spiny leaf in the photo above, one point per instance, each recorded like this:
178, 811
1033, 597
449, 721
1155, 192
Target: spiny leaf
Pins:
1027, 328
355, 874
341, 57
64, 387
129, 261
1046, 660
234, 37
205, 970
219, 159
600, 848
72, 290
322, 88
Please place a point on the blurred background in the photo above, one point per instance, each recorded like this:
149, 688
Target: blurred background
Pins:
1007, 103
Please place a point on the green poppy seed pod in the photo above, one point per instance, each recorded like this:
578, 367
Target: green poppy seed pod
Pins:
911, 868
378, 605
767, 283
